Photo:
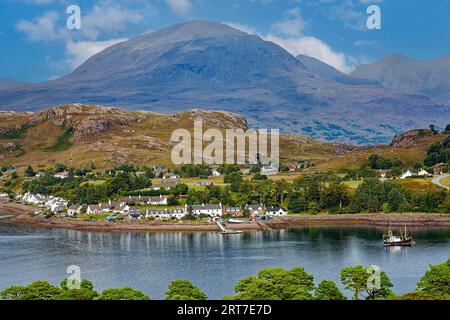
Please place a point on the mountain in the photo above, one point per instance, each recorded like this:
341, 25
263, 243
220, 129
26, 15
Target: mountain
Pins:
397, 72
7, 83
328, 72
212, 66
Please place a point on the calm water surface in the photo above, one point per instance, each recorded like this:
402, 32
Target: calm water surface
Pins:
149, 261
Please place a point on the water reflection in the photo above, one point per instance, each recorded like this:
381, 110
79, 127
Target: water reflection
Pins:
148, 261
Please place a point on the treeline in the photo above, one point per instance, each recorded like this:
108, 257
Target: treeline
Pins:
321, 193
269, 284
438, 153
79, 190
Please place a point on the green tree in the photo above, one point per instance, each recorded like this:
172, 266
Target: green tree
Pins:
368, 196
126, 293
436, 280
328, 290
335, 195
38, 290
29, 172
276, 284
297, 203
234, 179
184, 290
358, 280
447, 128
355, 279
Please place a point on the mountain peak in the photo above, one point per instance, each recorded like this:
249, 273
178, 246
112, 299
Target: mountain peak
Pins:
187, 31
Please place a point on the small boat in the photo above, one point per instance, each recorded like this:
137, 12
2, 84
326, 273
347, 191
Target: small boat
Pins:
232, 232
236, 221
404, 240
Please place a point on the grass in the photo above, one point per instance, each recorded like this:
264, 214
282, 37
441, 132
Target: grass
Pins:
62, 143
446, 181
93, 183
353, 185
17, 134
419, 185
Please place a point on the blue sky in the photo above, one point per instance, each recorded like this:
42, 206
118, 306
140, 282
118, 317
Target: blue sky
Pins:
37, 46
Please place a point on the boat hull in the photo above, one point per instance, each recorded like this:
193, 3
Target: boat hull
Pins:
403, 243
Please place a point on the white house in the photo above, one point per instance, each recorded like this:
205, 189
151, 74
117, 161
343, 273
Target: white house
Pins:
93, 209
275, 211
407, 174
212, 210
62, 175
269, 170
165, 214
4, 197
158, 200
35, 199
255, 209
423, 172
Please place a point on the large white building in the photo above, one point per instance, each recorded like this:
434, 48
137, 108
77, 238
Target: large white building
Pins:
212, 210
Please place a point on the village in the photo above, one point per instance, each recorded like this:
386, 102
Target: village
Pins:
141, 207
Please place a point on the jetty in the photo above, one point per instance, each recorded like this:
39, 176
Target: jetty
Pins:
225, 230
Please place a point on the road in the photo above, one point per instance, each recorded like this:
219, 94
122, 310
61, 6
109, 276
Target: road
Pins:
437, 181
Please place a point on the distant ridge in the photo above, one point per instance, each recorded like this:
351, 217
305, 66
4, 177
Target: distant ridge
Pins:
397, 72
208, 65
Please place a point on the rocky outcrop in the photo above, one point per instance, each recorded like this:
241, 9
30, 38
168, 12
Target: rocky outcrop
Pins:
215, 119
9, 146
86, 121
410, 138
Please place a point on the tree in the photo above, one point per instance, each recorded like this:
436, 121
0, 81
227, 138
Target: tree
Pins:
259, 177
297, 202
234, 179
367, 196
436, 280
433, 129
447, 128
126, 293
354, 279
335, 195
172, 201
85, 292
276, 284
38, 290
29, 172
358, 280
328, 290
184, 290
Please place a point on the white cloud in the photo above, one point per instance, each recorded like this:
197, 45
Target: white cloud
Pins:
78, 52
180, 7
352, 13
42, 28
291, 25
242, 27
108, 18
104, 20
288, 33
313, 47
37, 2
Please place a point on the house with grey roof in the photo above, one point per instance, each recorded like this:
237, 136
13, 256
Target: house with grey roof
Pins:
212, 210
276, 211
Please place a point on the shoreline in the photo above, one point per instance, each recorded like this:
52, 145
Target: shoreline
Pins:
21, 216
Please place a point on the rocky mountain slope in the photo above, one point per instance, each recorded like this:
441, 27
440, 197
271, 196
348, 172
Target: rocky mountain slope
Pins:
326, 71
215, 67
397, 72
78, 135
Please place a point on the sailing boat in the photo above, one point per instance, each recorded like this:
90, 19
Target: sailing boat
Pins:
404, 240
